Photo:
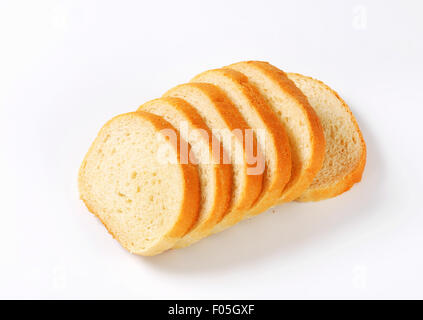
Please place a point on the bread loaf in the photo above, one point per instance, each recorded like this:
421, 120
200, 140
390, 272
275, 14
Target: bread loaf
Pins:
226, 146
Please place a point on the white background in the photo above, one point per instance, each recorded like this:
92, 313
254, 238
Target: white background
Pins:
66, 67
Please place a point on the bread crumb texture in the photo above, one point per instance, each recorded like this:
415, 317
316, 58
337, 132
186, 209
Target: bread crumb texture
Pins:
146, 204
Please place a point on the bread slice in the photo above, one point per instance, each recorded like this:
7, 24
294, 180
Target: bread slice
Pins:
345, 154
302, 125
134, 180
215, 176
220, 114
273, 139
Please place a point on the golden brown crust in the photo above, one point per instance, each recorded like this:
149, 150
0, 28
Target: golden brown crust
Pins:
190, 204
222, 172
344, 184
275, 183
233, 120
302, 175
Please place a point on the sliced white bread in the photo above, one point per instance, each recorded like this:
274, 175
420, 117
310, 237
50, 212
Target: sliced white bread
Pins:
345, 153
272, 137
301, 123
215, 176
145, 202
223, 117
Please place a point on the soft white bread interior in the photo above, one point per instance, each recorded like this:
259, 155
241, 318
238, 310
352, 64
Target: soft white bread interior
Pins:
345, 153
215, 176
219, 113
134, 181
272, 138
301, 123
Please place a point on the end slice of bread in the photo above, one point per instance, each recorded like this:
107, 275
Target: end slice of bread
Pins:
301, 123
215, 176
219, 113
134, 181
273, 140
345, 153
